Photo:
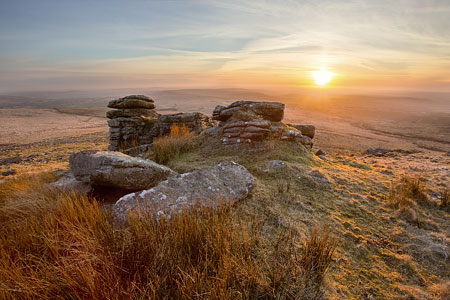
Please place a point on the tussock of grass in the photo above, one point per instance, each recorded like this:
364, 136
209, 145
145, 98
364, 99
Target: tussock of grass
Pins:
408, 192
445, 200
407, 196
316, 258
166, 148
64, 246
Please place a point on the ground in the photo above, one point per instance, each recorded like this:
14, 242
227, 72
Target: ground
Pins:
381, 253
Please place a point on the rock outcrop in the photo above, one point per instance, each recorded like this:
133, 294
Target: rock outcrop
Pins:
248, 122
135, 122
272, 111
227, 182
115, 169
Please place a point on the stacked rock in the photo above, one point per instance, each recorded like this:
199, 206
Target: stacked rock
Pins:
247, 122
131, 116
241, 132
135, 123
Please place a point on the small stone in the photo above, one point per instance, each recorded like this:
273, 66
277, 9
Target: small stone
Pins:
320, 152
319, 177
378, 151
11, 160
9, 172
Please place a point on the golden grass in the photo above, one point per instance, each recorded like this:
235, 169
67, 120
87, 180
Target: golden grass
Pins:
407, 196
179, 140
408, 192
445, 199
62, 245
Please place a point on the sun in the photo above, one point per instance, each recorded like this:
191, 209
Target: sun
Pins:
322, 77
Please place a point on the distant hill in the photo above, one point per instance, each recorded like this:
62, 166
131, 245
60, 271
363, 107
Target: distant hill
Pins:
199, 99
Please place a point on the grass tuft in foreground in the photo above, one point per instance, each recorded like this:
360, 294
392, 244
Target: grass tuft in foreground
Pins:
445, 200
407, 196
57, 245
179, 140
408, 192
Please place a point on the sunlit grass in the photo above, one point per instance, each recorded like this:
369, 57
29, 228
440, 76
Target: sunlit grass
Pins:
63, 245
168, 147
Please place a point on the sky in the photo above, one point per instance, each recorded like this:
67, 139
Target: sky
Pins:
271, 45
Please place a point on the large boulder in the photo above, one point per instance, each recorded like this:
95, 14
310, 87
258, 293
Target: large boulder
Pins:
132, 101
227, 182
115, 169
271, 111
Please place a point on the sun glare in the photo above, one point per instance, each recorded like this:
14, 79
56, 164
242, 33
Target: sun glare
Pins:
322, 77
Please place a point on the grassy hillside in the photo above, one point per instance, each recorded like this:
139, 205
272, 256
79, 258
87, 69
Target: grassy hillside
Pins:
392, 234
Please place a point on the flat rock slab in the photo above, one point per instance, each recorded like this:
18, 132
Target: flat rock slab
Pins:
227, 182
308, 130
115, 169
132, 101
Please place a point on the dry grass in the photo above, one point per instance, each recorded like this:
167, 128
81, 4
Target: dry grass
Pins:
407, 196
179, 140
408, 192
445, 199
58, 245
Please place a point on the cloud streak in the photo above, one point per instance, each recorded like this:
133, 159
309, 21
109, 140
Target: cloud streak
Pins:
379, 42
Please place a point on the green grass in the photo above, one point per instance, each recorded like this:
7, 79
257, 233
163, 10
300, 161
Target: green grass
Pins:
208, 151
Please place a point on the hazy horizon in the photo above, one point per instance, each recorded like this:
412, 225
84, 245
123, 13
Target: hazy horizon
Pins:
83, 45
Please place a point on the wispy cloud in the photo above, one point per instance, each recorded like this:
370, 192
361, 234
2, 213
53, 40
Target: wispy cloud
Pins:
241, 39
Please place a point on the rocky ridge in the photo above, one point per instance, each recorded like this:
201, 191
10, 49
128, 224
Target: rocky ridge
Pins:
135, 121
